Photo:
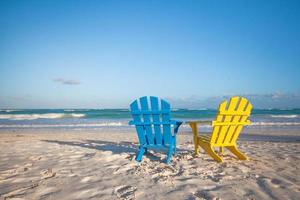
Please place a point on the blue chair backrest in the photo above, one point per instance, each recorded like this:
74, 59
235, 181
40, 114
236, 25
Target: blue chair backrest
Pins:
152, 120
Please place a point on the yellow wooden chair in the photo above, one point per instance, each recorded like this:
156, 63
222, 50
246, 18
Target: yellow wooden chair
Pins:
227, 126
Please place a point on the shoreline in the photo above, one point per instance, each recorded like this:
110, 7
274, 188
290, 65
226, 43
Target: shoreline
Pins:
248, 134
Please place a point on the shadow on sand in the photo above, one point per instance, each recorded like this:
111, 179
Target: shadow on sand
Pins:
261, 138
270, 138
114, 147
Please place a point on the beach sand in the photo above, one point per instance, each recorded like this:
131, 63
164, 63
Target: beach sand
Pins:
56, 164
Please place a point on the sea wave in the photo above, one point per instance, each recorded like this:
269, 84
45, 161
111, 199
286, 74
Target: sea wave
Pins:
284, 116
275, 124
104, 124
9, 110
40, 116
125, 124
254, 124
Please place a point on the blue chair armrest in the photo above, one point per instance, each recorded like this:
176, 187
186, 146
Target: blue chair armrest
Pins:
131, 123
176, 125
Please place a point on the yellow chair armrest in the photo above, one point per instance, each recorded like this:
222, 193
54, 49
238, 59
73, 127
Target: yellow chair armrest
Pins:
199, 122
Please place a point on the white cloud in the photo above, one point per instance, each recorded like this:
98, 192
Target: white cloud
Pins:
67, 81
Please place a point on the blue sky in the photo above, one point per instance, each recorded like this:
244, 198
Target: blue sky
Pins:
103, 54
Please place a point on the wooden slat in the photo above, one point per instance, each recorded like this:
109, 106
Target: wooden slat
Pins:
248, 109
148, 127
234, 113
156, 120
137, 119
233, 123
150, 112
166, 118
224, 128
219, 118
154, 123
236, 121
204, 137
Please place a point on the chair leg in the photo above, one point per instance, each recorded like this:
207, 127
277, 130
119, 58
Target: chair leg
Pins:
221, 150
195, 137
140, 154
197, 148
170, 150
174, 150
236, 152
210, 151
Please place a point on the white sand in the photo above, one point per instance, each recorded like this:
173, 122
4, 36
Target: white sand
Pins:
101, 165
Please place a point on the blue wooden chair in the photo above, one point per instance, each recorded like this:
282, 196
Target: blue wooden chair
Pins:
154, 126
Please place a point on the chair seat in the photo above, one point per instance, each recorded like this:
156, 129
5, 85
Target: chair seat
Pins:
204, 138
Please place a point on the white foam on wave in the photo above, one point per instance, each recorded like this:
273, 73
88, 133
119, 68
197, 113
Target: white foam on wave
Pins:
40, 116
275, 124
253, 124
284, 116
120, 124
9, 110
104, 124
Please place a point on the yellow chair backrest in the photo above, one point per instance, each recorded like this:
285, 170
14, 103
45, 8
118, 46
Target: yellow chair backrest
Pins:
230, 119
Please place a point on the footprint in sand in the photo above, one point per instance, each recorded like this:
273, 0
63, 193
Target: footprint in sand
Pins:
47, 173
204, 194
276, 181
125, 192
35, 158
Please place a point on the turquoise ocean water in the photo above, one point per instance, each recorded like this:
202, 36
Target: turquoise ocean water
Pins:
112, 118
